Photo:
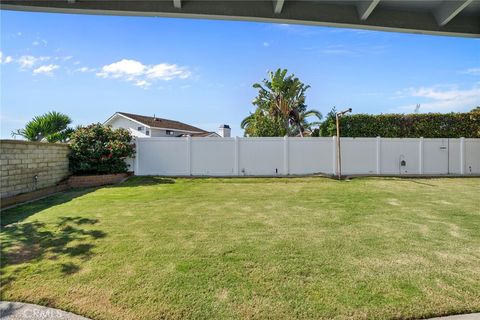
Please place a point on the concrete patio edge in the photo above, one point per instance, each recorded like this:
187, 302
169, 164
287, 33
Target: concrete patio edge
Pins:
23, 311
26, 311
468, 316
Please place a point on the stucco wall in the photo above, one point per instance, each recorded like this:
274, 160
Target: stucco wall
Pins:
21, 161
121, 122
161, 133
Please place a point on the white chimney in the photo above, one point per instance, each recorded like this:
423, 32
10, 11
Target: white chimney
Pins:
224, 131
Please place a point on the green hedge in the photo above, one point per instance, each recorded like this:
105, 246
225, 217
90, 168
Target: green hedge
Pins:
429, 125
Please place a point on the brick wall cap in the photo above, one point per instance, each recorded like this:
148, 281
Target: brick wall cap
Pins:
13, 141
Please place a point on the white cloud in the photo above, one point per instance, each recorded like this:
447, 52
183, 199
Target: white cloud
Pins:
66, 58
473, 71
122, 68
442, 100
142, 75
448, 94
46, 69
85, 69
266, 44
28, 61
165, 71
6, 59
39, 42
142, 83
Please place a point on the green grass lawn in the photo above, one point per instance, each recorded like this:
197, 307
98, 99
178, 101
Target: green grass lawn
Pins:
151, 248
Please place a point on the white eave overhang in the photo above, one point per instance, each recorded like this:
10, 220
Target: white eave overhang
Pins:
437, 17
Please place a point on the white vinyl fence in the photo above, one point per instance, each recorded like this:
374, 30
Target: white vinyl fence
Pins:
297, 156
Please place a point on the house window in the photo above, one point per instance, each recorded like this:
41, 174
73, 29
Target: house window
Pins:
140, 128
147, 132
170, 132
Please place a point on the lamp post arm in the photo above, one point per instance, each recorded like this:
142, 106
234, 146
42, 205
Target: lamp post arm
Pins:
339, 154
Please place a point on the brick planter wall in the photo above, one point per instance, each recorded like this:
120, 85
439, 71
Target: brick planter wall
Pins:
95, 180
31, 166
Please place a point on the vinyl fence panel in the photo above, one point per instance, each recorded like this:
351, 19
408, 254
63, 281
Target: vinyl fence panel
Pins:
261, 156
310, 155
435, 156
213, 156
297, 156
454, 156
359, 155
162, 156
472, 156
399, 156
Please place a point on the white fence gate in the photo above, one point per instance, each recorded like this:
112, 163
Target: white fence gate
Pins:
296, 156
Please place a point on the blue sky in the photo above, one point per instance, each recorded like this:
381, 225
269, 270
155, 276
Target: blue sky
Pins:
201, 71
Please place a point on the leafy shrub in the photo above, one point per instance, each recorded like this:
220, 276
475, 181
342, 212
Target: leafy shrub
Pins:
428, 125
261, 125
99, 149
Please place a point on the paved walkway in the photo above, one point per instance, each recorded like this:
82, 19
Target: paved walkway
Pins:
26, 311
471, 316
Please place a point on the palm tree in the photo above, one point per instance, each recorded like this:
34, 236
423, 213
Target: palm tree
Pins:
247, 121
299, 120
283, 97
51, 126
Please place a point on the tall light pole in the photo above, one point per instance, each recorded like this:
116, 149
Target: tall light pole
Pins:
339, 157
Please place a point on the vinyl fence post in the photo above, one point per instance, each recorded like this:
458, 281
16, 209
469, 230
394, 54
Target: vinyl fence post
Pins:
420, 155
236, 157
136, 164
462, 155
189, 155
285, 155
334, 155
378, 154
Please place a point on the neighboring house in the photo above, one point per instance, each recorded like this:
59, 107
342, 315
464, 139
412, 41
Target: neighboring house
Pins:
144, 126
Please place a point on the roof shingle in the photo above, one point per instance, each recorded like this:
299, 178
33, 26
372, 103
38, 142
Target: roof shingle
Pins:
162, 123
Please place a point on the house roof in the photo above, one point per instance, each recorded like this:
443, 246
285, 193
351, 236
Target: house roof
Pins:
156, 122
202, 134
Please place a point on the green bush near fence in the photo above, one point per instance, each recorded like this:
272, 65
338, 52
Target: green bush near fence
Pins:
99, 149
428, 125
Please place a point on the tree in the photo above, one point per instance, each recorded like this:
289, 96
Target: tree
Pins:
280, 102
259, 124
51, 126
301, 125
328, 126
